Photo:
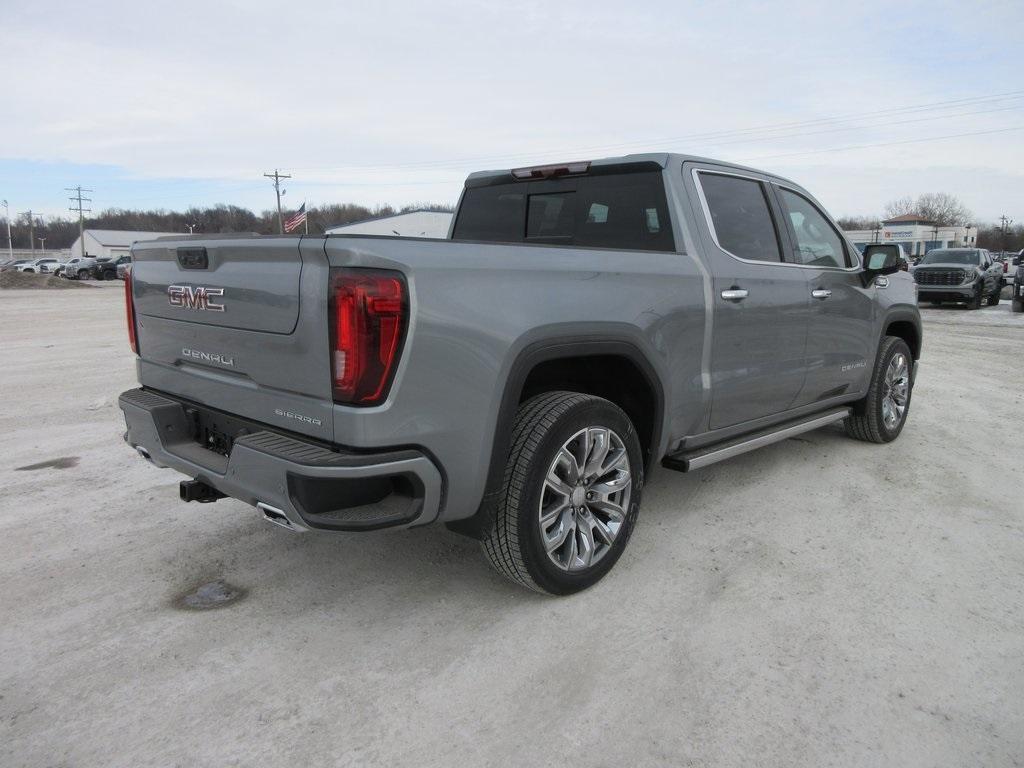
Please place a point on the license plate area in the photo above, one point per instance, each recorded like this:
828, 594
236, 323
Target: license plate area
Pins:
215, 431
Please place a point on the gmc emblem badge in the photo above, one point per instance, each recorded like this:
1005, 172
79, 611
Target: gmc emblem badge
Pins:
195, 297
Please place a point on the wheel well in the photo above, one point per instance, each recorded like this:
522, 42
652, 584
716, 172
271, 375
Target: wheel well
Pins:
612, 377
907, 331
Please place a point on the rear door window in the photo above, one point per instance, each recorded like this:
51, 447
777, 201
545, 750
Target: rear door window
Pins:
741, 218
626, 211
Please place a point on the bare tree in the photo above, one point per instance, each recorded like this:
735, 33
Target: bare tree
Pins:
900, 207
859, 222
943, 209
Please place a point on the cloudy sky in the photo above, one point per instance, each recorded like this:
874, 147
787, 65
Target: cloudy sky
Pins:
166, 105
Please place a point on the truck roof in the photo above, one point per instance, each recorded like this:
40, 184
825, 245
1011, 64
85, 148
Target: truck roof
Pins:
661, 159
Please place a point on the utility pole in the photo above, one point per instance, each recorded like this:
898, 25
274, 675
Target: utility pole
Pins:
77, 198
31, 231
277, 177
1004, 226
7, 218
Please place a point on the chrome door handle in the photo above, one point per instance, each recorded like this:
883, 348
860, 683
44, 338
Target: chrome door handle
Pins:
734, 294
821, 293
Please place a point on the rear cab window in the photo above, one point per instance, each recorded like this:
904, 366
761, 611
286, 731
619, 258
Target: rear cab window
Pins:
603, 209
740, 216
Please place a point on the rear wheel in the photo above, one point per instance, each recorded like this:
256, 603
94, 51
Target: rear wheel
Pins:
879, 417
1018, 305
571, 493
993, 300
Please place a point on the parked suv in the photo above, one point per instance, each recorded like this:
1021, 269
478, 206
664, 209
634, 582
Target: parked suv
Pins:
519, 381
79, 268
37, 266
968, 275
1018, 286
107, 269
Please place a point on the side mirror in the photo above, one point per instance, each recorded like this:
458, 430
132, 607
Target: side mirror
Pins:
881, 263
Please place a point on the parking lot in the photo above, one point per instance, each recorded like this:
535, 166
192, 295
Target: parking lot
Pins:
818, 602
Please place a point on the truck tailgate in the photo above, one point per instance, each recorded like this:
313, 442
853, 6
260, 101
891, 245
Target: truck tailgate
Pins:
239, 325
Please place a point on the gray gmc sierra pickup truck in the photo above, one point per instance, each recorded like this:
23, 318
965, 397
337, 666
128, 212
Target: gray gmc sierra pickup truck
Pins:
518, 380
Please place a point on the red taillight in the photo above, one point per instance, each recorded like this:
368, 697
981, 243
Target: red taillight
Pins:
129, 311
368, 317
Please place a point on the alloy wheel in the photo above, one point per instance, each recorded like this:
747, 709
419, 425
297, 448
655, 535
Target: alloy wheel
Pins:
897, 391
585, 498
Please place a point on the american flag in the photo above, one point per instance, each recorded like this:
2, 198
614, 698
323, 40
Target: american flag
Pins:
297, 218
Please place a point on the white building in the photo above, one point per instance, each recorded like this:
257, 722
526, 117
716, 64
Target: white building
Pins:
410, 224
916, 234
112, 242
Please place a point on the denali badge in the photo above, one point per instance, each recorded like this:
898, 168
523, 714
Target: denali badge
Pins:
194, 297
210, 357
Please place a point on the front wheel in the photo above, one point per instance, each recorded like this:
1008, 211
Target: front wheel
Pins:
570, 496
993, 299
978, 299
880, 416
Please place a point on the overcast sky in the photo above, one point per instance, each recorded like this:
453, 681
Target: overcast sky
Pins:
166, 105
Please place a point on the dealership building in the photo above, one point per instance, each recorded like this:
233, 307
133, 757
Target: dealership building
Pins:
916, 234
111, 243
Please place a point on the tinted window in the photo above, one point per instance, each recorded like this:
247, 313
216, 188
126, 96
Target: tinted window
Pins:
551, 216
627, 211
492, 213
817, 242
741, 217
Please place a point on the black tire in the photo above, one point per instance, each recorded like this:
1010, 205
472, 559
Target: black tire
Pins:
867, 423
1017, 305
542, 426
83, 274
29, 271
993, 300
978, 299
101, 275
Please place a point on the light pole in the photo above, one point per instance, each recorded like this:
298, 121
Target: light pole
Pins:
7, 218
42, 244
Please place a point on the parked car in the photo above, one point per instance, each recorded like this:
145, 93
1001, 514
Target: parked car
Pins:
38, 265
519, 381
123, 267
1017, 304
894, 248
106, 269
967, 275
1010, 264
14, 265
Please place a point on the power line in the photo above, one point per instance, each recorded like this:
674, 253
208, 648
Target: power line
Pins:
771, 128
884, 144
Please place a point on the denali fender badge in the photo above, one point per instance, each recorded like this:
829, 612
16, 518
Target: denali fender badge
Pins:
195, 297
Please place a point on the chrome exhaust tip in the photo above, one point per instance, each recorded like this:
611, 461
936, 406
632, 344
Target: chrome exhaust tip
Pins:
277, 517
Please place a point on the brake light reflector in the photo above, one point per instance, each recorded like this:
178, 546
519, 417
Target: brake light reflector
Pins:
369, 310
129, 310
